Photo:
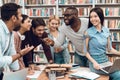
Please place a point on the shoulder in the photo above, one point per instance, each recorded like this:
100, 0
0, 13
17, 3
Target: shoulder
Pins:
106, 29
63, 27
91, 31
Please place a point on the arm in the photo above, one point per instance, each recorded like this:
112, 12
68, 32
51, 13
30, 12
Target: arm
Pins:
46, 49
111, 50
65, 44
58, 42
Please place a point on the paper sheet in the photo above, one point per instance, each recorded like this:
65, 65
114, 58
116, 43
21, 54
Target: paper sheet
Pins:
37, 73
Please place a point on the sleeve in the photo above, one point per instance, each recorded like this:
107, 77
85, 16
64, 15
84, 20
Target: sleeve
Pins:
4, 60
15, 64
65, 44
61, 38
46, 49
86, 36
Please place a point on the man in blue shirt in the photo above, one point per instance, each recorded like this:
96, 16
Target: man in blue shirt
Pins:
11, 17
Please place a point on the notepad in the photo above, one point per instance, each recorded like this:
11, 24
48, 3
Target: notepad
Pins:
85, 74
37, 73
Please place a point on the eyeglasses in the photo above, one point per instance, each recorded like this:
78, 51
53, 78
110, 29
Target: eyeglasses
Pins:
67, 15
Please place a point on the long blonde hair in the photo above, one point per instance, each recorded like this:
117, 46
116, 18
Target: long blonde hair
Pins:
54, 17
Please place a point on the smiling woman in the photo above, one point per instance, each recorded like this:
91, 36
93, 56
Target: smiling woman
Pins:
59, 54
97, 41
18, 36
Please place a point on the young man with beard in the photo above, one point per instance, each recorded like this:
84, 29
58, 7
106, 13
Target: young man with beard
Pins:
11, 17
35, 37
72, 28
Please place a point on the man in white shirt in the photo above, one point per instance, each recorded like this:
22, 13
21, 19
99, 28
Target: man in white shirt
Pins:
11, 17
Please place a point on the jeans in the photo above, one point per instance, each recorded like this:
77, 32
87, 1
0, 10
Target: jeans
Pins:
58, 58
115, 75
81, 60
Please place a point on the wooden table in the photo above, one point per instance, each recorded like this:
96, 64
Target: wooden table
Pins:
43, 76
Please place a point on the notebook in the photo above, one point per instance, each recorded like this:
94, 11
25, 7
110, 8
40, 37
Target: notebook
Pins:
109, 67
18, 75
85, 74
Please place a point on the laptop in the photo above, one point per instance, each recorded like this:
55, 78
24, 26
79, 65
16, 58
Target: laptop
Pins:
109, 67
18, 75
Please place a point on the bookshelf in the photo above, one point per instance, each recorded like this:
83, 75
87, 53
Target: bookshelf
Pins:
111, 10
45, 8
112, 19
20, 2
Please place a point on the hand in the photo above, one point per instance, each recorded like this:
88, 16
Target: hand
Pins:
96, 66
28, 78
58, 49
26, 50
48, 41
50, 61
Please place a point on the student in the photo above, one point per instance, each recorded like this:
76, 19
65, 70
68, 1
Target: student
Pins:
72, 28
18, 36
60, 54
97, 42
11, 17
35, 37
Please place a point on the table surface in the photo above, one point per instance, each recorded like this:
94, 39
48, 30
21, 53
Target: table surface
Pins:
44, 76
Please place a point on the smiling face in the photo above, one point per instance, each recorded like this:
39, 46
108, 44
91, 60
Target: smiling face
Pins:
39, 30
69, 17
94, 19
53, 24
25, 26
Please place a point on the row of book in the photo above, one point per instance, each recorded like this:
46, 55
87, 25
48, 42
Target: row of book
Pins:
112, 24
107, 1
38, 2
113, 11
81, 11
115, 36
85, 11
44, 12
116, 46
74, 1
20, 2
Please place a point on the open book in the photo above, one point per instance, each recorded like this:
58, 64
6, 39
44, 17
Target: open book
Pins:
85, 74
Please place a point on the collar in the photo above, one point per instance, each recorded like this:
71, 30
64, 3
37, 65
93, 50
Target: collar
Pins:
22, 37
96, 31
4, 26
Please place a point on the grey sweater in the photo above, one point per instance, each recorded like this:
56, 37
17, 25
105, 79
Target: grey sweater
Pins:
76, 38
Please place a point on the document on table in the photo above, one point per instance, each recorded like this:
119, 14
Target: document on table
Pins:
37, 73
85, 74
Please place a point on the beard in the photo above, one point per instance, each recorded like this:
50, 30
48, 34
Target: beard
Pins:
69, 21
16, 28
